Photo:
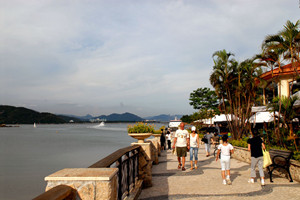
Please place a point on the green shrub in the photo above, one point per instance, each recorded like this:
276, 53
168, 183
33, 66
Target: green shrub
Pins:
157, 131
140, 127
296, 155
239, 143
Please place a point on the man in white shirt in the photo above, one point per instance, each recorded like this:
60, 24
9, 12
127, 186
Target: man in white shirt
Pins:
182, 141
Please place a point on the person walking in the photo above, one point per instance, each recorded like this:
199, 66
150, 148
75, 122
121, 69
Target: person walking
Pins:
162, 140
208, 136
181, 139
194, 145
168, 136
255, 146
226, 150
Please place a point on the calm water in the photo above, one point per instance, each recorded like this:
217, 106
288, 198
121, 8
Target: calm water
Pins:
28, 154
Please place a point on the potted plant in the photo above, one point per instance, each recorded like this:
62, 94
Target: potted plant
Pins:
157, 133
140, 131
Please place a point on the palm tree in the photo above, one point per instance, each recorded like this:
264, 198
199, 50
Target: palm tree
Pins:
249, 71
288, 113
222, 78
276, 48
286, 43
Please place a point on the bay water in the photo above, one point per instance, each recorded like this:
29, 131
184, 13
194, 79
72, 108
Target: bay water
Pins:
28, 154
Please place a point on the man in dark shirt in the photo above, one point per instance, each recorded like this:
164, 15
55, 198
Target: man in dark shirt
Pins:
255, 146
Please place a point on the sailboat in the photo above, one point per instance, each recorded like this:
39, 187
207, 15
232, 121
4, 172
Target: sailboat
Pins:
34, 125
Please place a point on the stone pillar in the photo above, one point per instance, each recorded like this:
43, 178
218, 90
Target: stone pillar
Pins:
158, 145
90, 183
155, 150
145, 163
146, 147
284, 85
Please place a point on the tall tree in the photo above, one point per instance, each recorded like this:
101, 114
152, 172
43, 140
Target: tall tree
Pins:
204, 98
223, 79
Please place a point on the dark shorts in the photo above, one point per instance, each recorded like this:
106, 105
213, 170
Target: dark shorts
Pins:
181, 151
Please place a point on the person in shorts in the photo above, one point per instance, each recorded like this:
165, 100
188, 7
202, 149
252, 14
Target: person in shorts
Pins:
182, 141
226, 150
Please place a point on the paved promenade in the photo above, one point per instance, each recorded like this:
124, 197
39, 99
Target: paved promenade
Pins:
206, 182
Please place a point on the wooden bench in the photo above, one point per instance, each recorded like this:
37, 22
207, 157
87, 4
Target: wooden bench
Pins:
280, 159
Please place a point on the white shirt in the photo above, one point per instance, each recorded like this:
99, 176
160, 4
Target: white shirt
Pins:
181, 136
193, 141
168, 136
225, 150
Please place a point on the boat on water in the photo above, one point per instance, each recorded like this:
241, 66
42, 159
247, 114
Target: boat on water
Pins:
174, 124
102, 124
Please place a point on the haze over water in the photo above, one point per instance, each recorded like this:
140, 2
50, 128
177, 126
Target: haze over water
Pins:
29, 154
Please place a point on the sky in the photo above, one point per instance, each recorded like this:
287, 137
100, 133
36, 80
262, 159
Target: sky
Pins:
113, 56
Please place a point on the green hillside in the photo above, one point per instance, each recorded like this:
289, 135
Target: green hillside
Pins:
21, 115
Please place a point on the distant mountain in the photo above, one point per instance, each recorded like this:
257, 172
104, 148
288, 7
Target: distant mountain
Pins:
163, 117
81, 118
68, 118
125, 117
21, 115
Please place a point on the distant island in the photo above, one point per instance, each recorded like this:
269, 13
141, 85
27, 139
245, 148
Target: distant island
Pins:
21, 115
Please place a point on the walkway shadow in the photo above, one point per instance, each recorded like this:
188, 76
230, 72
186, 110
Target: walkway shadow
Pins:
265, 190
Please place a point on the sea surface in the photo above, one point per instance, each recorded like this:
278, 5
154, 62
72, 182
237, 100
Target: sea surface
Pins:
28, 154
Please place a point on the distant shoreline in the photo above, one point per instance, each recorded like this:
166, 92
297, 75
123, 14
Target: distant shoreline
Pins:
4, 126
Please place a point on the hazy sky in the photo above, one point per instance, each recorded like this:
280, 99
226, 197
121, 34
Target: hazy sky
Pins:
114, 56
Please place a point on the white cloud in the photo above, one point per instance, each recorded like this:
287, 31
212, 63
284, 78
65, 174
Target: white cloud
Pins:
88, 56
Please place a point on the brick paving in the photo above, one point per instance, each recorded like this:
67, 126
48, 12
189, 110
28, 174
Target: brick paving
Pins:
206, 182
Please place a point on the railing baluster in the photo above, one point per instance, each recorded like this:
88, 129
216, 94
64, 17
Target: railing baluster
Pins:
133, 166
120, 193
128, 170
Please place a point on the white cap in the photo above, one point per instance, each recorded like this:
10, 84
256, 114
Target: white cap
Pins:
193, 128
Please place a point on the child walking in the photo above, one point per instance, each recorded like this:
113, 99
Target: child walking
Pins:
225, 149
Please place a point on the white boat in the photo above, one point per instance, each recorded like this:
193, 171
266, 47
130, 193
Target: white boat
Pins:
174, 124
101, 124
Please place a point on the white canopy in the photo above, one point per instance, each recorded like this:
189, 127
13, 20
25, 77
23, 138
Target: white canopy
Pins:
205, 121
222, 118
261, 117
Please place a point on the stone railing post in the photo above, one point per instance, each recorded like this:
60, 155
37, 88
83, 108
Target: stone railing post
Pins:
90, 183
145, 163
155, 150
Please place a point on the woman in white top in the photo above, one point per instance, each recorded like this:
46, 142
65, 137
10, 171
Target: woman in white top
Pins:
194, 145
226, 149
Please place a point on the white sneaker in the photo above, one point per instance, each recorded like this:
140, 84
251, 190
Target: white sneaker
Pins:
251, 180
224, 182
262, 181
228, 181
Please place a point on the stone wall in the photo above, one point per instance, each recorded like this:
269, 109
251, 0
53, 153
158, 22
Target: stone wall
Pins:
243, 154
90, 183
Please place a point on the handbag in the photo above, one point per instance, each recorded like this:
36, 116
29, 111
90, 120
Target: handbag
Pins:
204, 140
267, 159
174, 151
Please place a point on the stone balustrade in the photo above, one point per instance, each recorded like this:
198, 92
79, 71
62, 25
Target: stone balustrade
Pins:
101, 183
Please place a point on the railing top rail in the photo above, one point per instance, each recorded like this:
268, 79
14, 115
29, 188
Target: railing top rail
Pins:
59, 192
110, 159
